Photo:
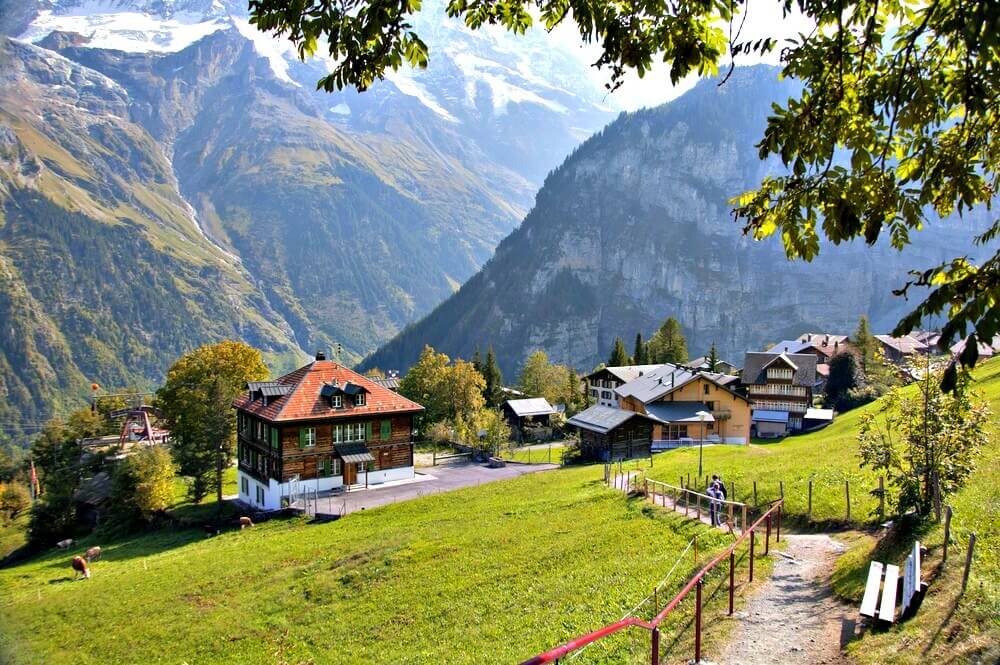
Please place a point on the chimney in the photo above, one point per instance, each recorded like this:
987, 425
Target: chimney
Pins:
320, 355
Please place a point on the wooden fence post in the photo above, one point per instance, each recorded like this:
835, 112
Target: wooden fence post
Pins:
881, 498
847, 492
947, 534
732, 489
968, 560
781, 488
755, 504
810, 509
689, 480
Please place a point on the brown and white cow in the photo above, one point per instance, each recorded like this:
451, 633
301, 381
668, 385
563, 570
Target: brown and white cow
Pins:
93, 554
80, 566
245, 522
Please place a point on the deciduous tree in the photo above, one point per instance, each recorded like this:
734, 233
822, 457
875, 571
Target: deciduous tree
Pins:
197, 405
142, 486
925, 443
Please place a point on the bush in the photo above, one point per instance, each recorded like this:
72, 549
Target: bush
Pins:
53, 518
142, 486
14, 499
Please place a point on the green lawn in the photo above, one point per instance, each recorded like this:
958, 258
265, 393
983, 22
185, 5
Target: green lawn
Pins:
486, 574
542, 454
13, 534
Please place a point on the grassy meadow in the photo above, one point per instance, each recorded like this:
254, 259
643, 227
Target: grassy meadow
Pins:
486, 574
491, 574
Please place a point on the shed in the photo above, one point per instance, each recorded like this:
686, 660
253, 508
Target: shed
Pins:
770, 424
533, 412
608, 434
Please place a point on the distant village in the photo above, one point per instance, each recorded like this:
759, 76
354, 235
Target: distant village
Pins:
325, 429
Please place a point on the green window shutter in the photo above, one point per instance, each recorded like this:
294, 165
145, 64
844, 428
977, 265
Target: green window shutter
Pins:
368, 430
386, 430
302, 437
274, 438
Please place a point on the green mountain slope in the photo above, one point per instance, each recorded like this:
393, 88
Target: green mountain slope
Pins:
105, 275
635, 226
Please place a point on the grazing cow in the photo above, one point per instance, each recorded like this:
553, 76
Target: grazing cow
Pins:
93, 554
64, 544
245, 522
80, 566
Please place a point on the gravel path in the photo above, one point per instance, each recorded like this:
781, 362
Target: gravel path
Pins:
794, 616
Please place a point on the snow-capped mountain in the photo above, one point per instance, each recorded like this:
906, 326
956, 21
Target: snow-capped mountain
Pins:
524, 100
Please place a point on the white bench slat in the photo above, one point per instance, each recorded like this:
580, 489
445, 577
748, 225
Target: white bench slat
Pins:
870, 599
887, 610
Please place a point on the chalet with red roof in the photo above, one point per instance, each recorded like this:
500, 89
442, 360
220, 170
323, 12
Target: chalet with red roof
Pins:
320, 427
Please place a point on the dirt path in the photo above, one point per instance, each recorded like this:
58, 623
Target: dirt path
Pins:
793, 617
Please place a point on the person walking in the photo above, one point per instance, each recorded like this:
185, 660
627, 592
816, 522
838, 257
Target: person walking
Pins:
718, 491
713, 510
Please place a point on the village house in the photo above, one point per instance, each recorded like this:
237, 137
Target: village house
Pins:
823, 345
689, 405
527, 415
780, 388
320, 427
898, 349
601, 383
608, 434
704, 363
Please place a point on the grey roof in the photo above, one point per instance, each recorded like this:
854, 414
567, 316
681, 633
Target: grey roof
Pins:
602, 419
679, 412
770, 416
269, 388
804, 363
533, 406
818, 414
904, 345
390, 382
701, 362
353, 453
664, 380
626, 373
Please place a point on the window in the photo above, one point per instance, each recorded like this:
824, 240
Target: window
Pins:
386, 432
710, 405
307, 437
325, 468
275, 443
594, 392
246, 486
336, 467
359, 399
706, 388
359, 431
260, 430
260, 495
337, 401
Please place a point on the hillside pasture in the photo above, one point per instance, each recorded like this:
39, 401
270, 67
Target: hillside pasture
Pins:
487, 574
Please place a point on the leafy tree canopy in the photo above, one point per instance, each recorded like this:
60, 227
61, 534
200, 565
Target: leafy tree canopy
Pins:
904, 92
196, 402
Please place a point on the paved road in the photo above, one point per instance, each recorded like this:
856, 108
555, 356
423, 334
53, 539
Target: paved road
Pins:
443, 479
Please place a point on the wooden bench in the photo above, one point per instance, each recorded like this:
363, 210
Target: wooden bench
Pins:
912, 591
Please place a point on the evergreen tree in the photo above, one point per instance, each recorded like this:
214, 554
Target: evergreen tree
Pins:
713, 358
865, 343
639, 356
668, 344
843, 378
477, 362
618, 357
576, 397
494, 380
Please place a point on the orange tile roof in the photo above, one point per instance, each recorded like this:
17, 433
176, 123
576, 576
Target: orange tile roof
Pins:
303, 402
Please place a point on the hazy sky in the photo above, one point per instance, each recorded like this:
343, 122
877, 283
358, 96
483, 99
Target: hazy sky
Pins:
764, 18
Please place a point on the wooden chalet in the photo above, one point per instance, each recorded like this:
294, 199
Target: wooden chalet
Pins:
779, 383
320, 427
608, 434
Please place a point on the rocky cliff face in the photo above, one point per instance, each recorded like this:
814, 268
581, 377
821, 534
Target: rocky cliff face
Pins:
635, 226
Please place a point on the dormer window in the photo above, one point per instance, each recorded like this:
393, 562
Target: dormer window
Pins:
359, 399
336, 401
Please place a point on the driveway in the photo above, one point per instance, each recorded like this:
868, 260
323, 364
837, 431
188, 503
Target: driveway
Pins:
428, 480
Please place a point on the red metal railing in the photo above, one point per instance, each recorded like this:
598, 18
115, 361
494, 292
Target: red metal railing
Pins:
695, 583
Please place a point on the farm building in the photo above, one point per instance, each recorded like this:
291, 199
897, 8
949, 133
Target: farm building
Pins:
525, 415
608, 434
320, 427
